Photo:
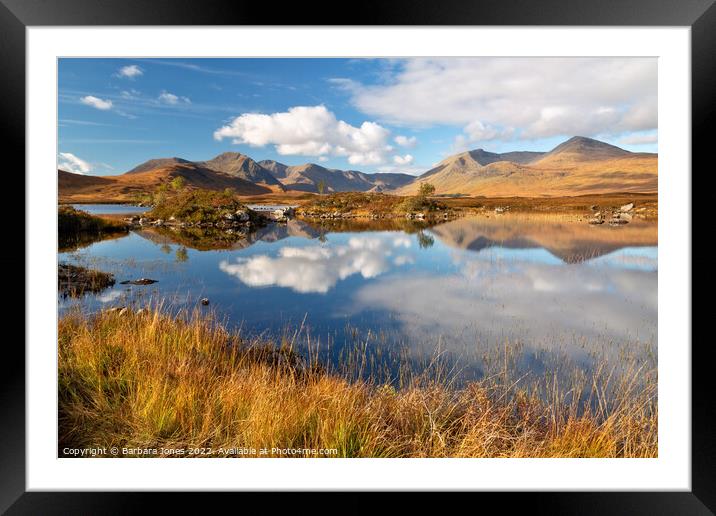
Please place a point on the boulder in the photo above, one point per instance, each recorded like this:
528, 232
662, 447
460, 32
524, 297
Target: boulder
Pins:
627, 207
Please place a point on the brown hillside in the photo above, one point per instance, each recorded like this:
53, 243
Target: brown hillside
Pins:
126, 187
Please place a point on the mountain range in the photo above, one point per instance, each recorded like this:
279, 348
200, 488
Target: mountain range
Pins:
578, 166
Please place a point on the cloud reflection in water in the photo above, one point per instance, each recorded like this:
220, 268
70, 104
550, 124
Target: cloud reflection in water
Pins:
317, 269
489, 299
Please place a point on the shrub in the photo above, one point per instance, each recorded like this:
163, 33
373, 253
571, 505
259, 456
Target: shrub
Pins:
196, 206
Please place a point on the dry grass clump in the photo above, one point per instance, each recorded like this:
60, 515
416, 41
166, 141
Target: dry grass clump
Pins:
74, 281
76, 227
153, 380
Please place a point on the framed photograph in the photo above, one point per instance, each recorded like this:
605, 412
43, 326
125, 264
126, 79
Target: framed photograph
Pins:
444, 252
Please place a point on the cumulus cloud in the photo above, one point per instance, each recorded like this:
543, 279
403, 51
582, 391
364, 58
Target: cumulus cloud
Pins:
130, 72
317, 269
96, 102
406, 141
169, 98
310, 131
71, 163
403, 160
498, 98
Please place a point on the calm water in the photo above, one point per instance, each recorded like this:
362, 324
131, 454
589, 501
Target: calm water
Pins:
543, 294
110, 209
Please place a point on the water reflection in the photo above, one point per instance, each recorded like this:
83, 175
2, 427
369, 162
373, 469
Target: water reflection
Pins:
490, 298
319, 268
569, 241
547, 290
111, 209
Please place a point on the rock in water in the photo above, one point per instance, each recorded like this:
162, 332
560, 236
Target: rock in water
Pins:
140, 281
204, 301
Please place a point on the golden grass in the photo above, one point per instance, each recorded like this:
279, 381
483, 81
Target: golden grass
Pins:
153, 380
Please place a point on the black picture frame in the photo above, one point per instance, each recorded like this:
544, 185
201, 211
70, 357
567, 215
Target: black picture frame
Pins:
17, 15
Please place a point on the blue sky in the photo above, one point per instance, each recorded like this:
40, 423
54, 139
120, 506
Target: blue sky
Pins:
375, 115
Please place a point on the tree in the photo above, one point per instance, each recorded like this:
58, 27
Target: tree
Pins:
426, 189
321, 186
178, 183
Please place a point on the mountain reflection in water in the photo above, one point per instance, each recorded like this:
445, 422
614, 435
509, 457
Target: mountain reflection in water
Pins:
546, 289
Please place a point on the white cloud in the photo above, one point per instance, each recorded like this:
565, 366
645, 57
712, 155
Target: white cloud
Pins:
639, 139
130, 72
71, 163
412, 169
498, 98
406, 141
403, 160
318, 269
310, 131
130, 94
171, 99
476, 131
96, 102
